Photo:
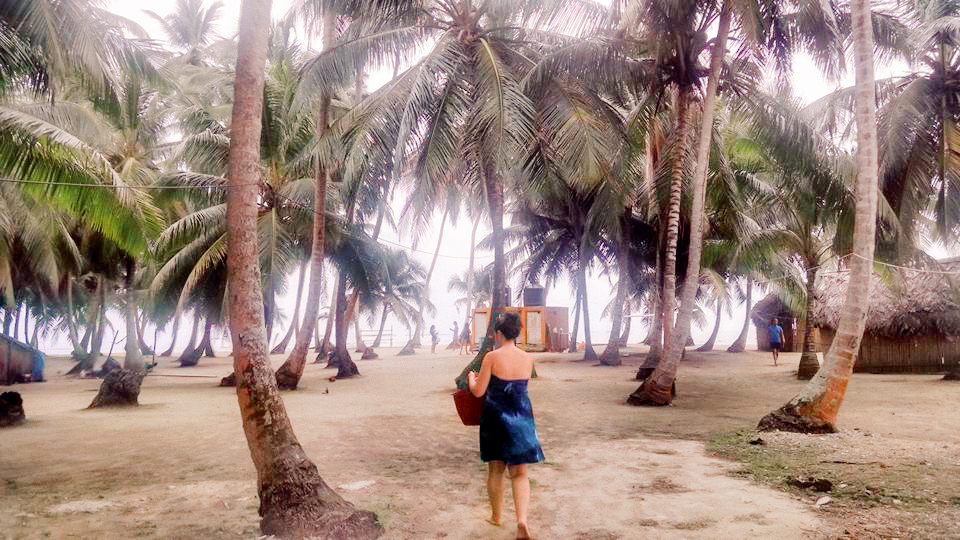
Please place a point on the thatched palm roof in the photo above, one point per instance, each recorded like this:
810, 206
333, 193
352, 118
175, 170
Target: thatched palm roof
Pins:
908, 302
769, 307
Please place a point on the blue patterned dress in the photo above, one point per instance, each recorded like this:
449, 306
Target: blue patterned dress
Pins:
507, 430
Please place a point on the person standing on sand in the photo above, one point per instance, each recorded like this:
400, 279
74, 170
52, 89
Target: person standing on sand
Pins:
465, 341
434, 338
776, 338
508, 433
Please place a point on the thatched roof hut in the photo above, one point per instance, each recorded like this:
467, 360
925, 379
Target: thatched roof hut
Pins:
908, 302
770, 307
913, 321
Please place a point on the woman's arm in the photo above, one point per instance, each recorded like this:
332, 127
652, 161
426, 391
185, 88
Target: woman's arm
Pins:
478, 383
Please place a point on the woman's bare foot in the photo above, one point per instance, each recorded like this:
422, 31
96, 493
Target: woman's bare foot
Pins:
522, 532
495, 521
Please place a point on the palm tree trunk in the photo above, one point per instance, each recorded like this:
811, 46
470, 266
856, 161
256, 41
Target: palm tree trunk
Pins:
71, 322
294, 500
288, 376
740, 344
576, 320
611, 354
658, 388
473, 245
361, 346
418, 328
627, 319
295, 323
16, 320
493, 188
206, 345
815, 408
383, 323
134, 359
173, 337
809, 364
325, 348
708, 345
341, 356
588, 353
100, 320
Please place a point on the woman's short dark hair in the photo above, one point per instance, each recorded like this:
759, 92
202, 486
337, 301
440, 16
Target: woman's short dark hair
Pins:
508, 325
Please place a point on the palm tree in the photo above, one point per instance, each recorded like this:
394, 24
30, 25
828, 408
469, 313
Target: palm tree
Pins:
294, 500
458, 113
46, 43
401, 292
190, 28
815, 408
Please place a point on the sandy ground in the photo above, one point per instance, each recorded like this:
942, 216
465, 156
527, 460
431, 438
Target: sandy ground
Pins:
390, 441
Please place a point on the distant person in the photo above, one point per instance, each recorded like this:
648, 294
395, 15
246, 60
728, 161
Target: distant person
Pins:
456, 336
434, 338
508, 433
465, 341
776, 338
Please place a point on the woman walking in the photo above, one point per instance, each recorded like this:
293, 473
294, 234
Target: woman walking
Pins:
508, 434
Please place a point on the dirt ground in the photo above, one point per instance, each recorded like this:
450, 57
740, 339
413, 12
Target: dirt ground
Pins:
178, 466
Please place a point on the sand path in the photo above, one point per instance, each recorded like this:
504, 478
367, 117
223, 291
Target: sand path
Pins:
178, 465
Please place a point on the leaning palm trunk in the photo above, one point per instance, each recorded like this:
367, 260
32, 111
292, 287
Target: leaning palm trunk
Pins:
288, 376
809, 364
325, 348
498, 297
708, 345
206, 344
611, 354
294, 500
418, 328
282, 346
173, 337
383, 324
341, 356
740, 344
361, 346
815, 409
658, 388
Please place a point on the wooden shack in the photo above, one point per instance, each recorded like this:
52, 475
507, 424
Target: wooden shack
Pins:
913, 322
17, 361
544, 328
771, 307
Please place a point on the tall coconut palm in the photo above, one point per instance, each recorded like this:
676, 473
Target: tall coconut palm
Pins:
458, 113
294, 500
815, 408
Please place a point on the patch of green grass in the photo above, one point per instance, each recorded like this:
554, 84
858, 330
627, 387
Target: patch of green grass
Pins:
386, 511
771, 464
762, 463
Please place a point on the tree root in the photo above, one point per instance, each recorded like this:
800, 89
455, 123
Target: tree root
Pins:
120, 387
610, 355
788, 418
809, 365
650, 394
299, 504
